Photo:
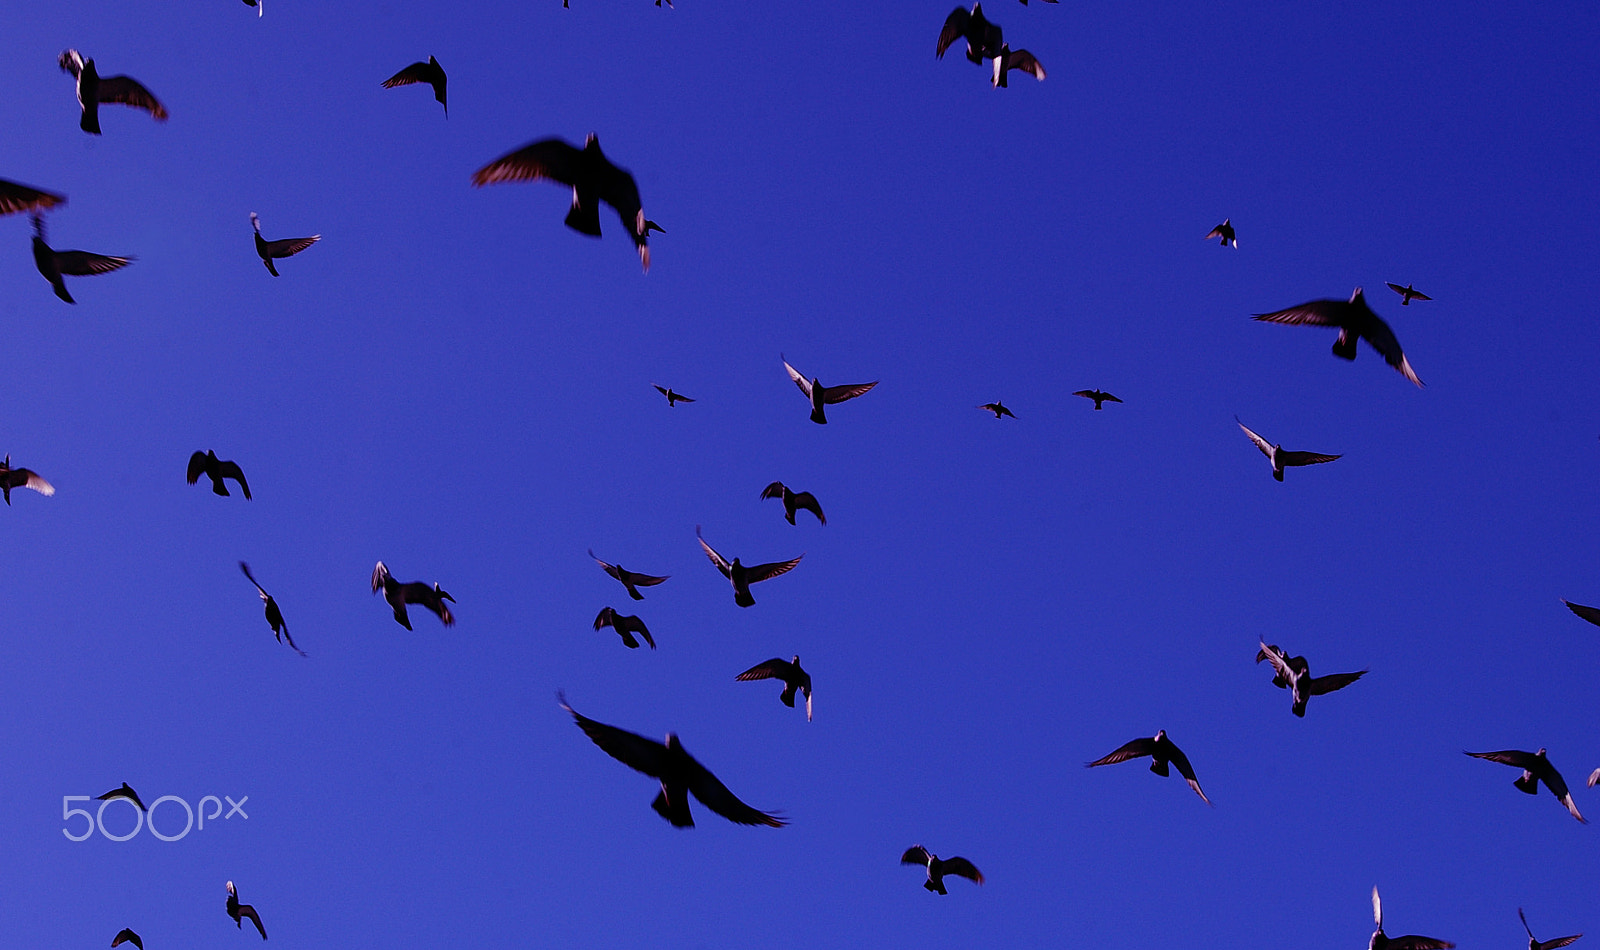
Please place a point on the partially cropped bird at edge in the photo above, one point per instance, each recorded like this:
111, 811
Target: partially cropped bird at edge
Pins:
22, 478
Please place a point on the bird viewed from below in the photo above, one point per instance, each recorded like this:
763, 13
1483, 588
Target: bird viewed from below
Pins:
672, 397
821, 395
742, 577
240, 911
1355, 320
1019, 59
1162, 751
998, 408
430, 72
794, 677
1591, 614
794, 501
625, 626
126, 791
414, 592
1279, 458
983, 38
280, 630
589, 174
1535, 769
1407, 293
679, 773
285, 247
126, 935
16, 197
629, 579
53, 263
206, 463
1294, 673
1382, 941
22, 478
1535, 944
1100, 397
94, 89
937, 867
1224, 233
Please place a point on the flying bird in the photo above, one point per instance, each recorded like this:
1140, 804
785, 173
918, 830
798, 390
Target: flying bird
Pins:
1224, 232
790, 672
794, 501
206, 463
983, 38
280, 630
1407, 294
939, 867
678, 771
626, 626
22, 478
15, 197
629, 579
1163, 751
94, 89
1535, 769
285, 247
1020, 59
1294, 673
821, 395
1536, 944
126, 935
53, 264
237, 911
591, 176
741, 576
1354, 319
1100, 397
1279, 458
998, 408
672, 397
1382, 941
1591, 614
430, 72
415, 592
126, 791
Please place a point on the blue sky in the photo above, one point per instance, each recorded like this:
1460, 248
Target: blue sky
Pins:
453, 382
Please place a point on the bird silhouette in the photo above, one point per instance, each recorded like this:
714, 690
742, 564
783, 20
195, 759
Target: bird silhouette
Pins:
1382, 941
16, 197
1407, 294
206, 463
22, 478
414, 592
629, 579
983, 38
1355, 320
53, 263
821, 395
998, 408
1535, 769
280, 630
626, 626
1100, 398
1294, 673
286, 247
239, 911
1536, 944
430, 72
94, 89
672, 397
1279, 458
126, 791
1591, 614
794, 501
1162, 751
794, 677
1224, 232
126, 935
742, 577
937, 867
1021, 60
679, 773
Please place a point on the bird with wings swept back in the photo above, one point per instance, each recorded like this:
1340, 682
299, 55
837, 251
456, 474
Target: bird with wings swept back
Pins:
1162, 751
794, 501
1535, 769
1382, 941
430, 72
53, 264
1355, 320
790, 672
983, 38
126, 791
206, 463
1294, 673
939, 867
1280, 458
94, 89
240, 911
280, 630
821, 395
22, 478
126, 935
629, 579
742, 577
626, 626
16, 197
281, 248
413, 592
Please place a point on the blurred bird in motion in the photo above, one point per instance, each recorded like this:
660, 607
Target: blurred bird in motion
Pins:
1382, 941
53, 263
280, 630
15, 197
1355, 320
94, 89
414, 592
983, 38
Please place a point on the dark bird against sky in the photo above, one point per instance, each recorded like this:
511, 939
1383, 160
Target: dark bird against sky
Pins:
280, 630
794, 501
794, 677
1280, 458
672, 397
1355, 320
22, 478
1535, 769
937, 867
53, 263
94, 89
821, 395
1162, 751
15, 197
430, 72
206, 463
284, 247
1224, 233
1019, 59
126, 935
239, 911
1407, 293
1294, 673
126, 791
1100, 397
983, 38
413, 592
626, 626
998, 408
1382, 941
629, 579
742, 577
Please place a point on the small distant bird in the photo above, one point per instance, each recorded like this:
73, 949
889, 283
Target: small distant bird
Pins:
1354, 319
1163, 751
790, 672
15, 197
794, 501
286, 247
430, 72
1294, 673
1020, 59
125, 935
237, 911
983, 38
1382, 941
1224, 231
591, 176
53, 263
22, 478
741, 576
1536, 944
415, 592
998, 408
1100, 397
126, 791
821, 395
1591, 614
94, 89
937, 867
280, 630
629, 579
626, 626
1535, 769
1280, 458
672, 397
678, 771
1407, 294
206, 463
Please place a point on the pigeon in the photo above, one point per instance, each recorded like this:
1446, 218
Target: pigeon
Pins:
126, 935
821, 395
1100, 397
415, 592
1162, 751
790, 672
285, 247
22, 478
983, 38
998, 408
94, 89
1278, 457
1381, 940
1407, 294
629, 579
626, 626
591, 176
15, 197
1021, 60
794, 501
937, 867
1536, 944
742, 577
1591, 614
126, 791
430, 72
237, 911
280, 630
1354, 319
53, 263
1224, 232
672, 397
1294, 673
1535, 769
207, 464
678, 771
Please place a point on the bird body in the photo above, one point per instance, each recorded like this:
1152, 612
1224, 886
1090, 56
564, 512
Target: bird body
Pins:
1162, 751
1536, 768
1382, 941
125, 791
206, 463
280, 630
1021, 60
626, 626
1100, 397
430, 72
53, 263
672, 397
284, 247
821, 395
1224, 232
94, 89
998, 408
629, 579
1281, 458
742, 577
22, 478
794, 678
794, 501
1294, 673
1407, 293
1355, 320
240, 911
414, 592
938, 868
983, 38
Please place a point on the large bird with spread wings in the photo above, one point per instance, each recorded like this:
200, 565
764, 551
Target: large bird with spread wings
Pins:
1162, 751
94, 89
821, 395
742, 577
1355, 320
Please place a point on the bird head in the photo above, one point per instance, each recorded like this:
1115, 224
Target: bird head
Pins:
1161, 734
255, 222
1357, 296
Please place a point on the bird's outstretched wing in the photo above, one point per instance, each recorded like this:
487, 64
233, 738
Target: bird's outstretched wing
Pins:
1512, 757
722, 563
1187, 771
1382, 339
246, 910
955, 27
416, 72
634, 751
1414, 295
1318, 685
1131, 750
764, 572
833, 394
1279, 661
197, 466
1304, 458
83, 263
1262, 444
799, 378
70, 61
28, 478
130, 92
246, 569
1377, 908
961, 867
1024, 61
289, 247
546, 158
1591, 614
715, 796
16, 197
773, 668
1559, 941
127, 935
232, 470
1322, 313
916, 854
808, 501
